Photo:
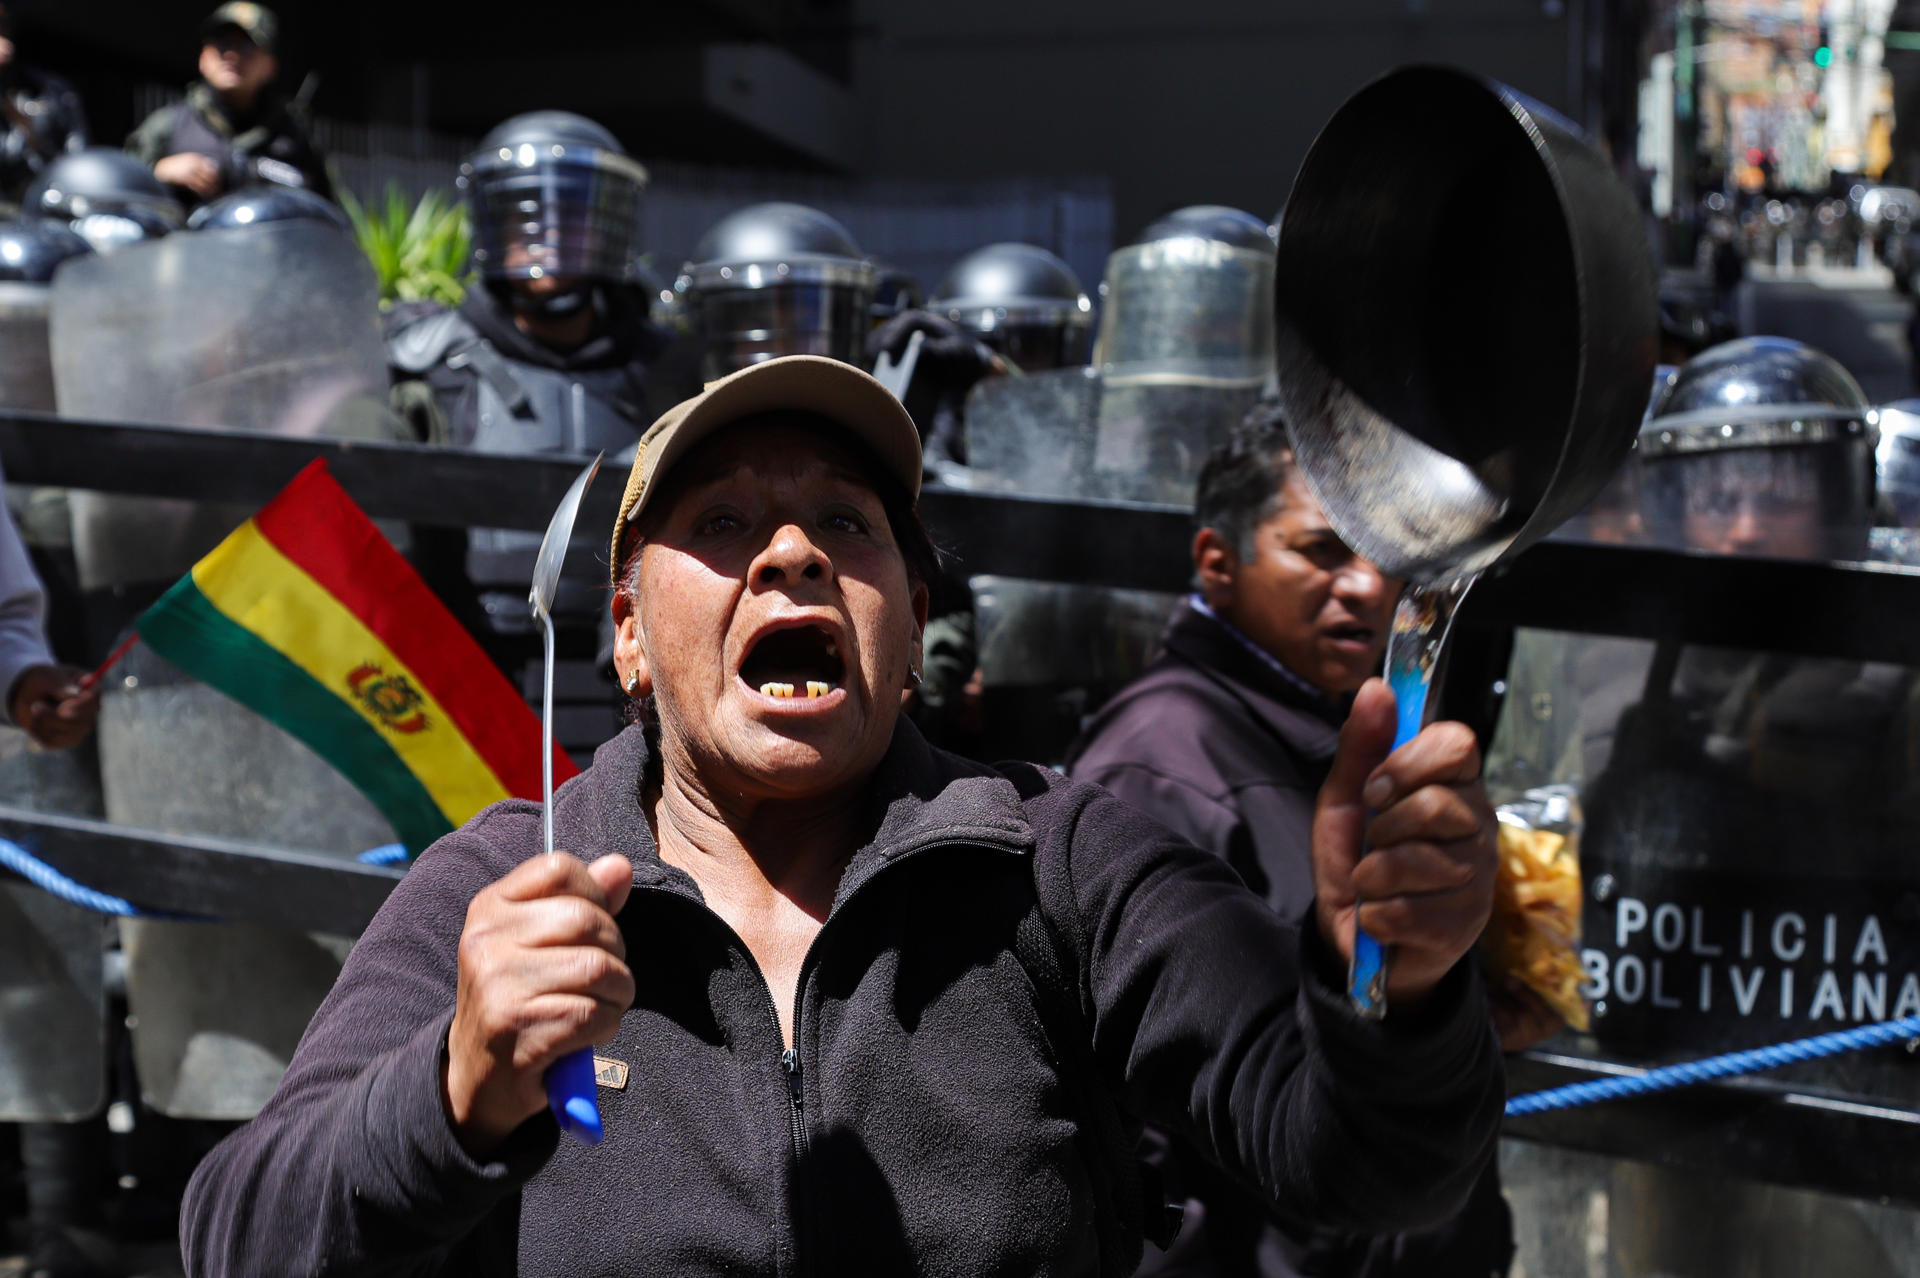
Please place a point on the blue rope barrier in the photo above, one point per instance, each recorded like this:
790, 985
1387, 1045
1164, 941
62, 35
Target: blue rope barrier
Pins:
49, 880
1752, 1061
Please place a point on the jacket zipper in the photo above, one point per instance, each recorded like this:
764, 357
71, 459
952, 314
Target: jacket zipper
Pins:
790, 1056
790, 1062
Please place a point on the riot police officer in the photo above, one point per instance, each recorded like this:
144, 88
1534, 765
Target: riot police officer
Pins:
778, 279
1759, 446
107, 196
1183, 345
41, 117
1004, 304
548, 354
1735, 766
232, 130
1024, 302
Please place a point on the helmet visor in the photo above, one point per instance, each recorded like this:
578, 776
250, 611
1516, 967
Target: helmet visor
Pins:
570, 215
1781, 503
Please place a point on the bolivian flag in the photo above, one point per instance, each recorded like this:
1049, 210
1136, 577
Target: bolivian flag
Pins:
308, 616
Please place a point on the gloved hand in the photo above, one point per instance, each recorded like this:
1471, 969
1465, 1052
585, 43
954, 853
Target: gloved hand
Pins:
950, 357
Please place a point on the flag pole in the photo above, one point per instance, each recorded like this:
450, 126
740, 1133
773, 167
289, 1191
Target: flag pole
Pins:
88, 681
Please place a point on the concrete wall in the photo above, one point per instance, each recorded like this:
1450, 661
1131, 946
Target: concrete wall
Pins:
1178, 101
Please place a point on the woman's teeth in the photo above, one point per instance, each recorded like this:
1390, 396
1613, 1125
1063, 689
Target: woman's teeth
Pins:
815, 688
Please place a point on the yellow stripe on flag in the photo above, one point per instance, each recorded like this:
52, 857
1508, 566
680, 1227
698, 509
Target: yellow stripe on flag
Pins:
256, 586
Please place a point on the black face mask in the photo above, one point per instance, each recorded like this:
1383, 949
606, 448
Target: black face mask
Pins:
553, 306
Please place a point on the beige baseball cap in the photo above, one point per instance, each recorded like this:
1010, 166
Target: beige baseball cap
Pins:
793, 383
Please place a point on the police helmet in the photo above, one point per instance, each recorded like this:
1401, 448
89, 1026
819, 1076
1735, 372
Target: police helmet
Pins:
778, 279
553, 194
1215, 222
259, 205
1761, 445
1023, 301
106, 195
31, 248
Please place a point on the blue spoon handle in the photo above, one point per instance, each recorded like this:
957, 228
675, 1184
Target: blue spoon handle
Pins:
572, 1093
1420, 624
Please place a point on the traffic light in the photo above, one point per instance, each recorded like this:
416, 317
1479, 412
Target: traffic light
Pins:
1823, 56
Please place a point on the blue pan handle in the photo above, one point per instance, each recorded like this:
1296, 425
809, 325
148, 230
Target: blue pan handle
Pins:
573, 1096
1421, 621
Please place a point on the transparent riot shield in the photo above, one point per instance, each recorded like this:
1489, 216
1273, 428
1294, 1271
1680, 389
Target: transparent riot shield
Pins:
26, 382
52, 989
53, 1036
1050, 652
26, 366
272, 328
1188, 310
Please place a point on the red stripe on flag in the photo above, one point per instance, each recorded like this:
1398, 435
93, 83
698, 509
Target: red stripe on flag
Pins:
316, 525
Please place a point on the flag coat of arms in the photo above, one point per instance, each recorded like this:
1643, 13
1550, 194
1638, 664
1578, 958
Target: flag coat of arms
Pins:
308, 616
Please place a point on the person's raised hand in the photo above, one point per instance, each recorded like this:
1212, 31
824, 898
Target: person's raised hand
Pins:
49, 705
197, 173
542, 972
1410, 838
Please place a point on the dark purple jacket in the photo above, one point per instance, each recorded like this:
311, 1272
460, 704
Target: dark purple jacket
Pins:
1221, 749
1230, 754
940, 1115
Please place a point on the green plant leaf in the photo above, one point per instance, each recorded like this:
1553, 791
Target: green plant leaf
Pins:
418, 250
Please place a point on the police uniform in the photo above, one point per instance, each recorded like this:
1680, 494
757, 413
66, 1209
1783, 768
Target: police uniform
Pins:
469, 378
268, 144
555, 203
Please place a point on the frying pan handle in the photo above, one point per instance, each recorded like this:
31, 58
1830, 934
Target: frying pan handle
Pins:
1421, 621
572, 1095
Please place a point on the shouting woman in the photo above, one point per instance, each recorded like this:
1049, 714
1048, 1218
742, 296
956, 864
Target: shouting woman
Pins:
858, 1006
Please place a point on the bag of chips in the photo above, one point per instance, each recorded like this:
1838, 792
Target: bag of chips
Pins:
1534, 935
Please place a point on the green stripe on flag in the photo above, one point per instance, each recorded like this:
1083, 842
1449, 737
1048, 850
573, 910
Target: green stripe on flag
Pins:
186, 629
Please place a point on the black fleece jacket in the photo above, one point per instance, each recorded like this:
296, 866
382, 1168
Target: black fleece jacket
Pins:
931, 1120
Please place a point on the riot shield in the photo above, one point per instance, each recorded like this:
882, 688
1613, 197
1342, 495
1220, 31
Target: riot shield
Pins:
52, 987
26, 366
1188, 310
53, 1027
26, 382
1051, 652
271, 328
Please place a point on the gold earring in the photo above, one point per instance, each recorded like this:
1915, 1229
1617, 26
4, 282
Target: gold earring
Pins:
633, 682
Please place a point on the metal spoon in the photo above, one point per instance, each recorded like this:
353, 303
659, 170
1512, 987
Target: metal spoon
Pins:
571, 1091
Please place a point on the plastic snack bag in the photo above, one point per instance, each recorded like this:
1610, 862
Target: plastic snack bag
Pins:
1534, 935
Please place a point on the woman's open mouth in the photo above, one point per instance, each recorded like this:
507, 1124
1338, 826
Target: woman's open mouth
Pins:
798, 662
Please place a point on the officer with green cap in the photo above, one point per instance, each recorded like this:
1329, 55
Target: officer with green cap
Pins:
232, 130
